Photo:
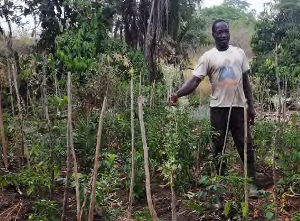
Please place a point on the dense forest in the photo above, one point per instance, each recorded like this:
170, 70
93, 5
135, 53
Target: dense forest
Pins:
85, 126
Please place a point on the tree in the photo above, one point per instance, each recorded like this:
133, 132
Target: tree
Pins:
279, 26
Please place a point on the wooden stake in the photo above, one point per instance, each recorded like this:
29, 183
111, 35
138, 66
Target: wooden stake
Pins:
146, 160
67, 183
132, 154
173, 204
276, 134
71, 145
47, 118
99, 134
246, 157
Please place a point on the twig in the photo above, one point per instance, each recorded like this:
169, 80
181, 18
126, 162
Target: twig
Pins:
146, 160
18, 212
7, 216
132, 153
100, 126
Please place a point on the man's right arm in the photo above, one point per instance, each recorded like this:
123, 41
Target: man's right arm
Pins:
198, 74
188, 87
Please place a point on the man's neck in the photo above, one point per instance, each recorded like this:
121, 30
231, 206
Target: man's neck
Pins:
222, 48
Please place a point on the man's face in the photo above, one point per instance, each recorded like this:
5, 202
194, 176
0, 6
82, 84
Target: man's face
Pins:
221, 34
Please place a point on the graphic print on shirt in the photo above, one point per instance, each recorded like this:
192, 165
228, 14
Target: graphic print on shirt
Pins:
227, 76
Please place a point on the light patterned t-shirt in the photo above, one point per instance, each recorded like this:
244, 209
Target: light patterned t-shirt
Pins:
225, 71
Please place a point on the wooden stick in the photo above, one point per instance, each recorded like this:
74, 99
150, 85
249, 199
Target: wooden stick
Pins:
132, 154
47, 118
227, 127
71, 144
85, 195
246, 157
276, 134
146, 160
99, 134
67, 183
173, 204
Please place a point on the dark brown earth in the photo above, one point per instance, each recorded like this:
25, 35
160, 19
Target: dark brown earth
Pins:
13, 206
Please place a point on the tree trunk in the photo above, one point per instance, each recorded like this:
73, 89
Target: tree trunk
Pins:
146, 161
150, 45
95, 171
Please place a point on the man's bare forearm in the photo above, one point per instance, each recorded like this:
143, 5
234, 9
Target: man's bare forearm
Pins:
188, 87
248, 90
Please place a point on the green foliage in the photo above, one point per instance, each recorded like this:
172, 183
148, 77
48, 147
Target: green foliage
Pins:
31, 181
44, 210
107, 181
296, 217
227, 208
194, 206
279, 27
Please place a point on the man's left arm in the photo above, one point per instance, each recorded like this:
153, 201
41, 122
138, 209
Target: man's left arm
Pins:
247, 87
249, 96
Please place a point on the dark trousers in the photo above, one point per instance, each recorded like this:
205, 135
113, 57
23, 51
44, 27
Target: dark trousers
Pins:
219, 118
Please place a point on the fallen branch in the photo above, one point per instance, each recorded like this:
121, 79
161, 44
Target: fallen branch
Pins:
146, 160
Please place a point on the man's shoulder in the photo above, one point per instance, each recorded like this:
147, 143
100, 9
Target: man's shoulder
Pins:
210, 52
236, 48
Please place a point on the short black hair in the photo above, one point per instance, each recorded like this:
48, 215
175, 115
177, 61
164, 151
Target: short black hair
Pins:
216, 22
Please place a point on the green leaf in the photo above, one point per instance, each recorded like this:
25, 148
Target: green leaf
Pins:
194, 206
227, 208
56, 172
244, 209
269, 215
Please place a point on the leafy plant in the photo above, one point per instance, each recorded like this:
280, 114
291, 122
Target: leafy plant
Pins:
44, 210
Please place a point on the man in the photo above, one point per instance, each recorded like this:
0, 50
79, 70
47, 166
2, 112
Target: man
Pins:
227, 68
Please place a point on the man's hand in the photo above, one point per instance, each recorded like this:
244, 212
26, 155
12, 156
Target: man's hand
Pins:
173, 99
251, 115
